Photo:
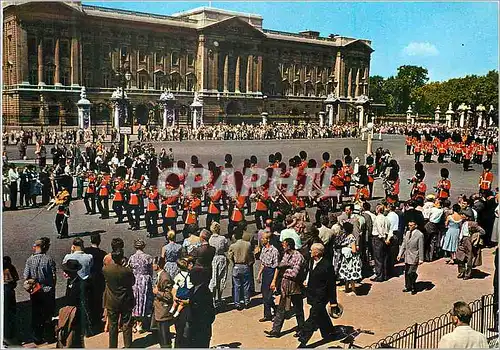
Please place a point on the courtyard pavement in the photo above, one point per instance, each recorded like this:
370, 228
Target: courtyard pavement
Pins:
381, 307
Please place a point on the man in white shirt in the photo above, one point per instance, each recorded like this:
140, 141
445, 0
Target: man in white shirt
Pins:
325, 233
397, 238
434, 215
463, 336
13, 177
291, 233
381, 239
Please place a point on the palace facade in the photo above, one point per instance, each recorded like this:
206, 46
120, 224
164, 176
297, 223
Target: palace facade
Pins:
238, 68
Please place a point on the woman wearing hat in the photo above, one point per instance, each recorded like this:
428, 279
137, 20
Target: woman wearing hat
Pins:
142, 267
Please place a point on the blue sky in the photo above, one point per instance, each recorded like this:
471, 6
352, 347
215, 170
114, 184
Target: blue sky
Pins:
450, 39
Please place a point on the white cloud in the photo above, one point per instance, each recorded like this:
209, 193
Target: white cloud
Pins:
420, 49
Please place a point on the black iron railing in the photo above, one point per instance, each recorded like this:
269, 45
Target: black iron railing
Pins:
427, 334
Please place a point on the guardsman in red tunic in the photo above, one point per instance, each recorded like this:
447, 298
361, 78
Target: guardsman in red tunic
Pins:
192, 210
479, 154
370, 168
90, 194
237, 214
152, 209
326, 161
103, 202
347, 169
408, 145
417, 150
467, 157
428, 152
441, 152
261, 207
419, 187
391, 186
119, 199
444, 185
490, 149
133, 211
458, 153
169, 212
362, 192
486, 178
214, 196
337, 184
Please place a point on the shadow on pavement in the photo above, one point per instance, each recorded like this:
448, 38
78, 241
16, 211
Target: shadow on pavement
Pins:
233, 345
144, 342
479, 274
85, 234
363, 289
421, 286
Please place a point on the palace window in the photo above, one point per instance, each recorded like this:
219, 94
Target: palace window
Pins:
65, 77
143, 81
33, 76
159, 81
124, 52
190, 82
142, 55
106, 51
88, 79
32, 46
64, 51
272, 89
190, 60
48, 74
176, 82
9, 43
105, 80
159, 58
48, 47
175, 58
35, 112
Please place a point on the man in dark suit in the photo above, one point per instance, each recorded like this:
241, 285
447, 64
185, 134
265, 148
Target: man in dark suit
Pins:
203, 255
162, 303
320, 291
119, 298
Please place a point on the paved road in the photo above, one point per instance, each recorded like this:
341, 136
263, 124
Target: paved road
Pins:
20, 229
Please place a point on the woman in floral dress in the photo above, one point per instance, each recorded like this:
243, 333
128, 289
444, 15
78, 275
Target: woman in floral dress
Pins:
142, 267
171, 252
350, 268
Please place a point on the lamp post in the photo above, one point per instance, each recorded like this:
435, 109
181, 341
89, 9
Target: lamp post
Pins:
167, 100
84, 119
122, 123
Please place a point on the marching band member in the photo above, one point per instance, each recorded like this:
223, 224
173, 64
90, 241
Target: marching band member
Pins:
152, 208
102, 203
486, 178
62, 200
442, 152
490, 149
214, 196
191, 211
237, 214
119, 199
371, 174
133, 212
347, 169
169, 211
444, 185
90, 194
391, 186
417, 150
362, 192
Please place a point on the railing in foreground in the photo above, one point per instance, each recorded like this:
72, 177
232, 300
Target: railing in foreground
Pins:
427, 334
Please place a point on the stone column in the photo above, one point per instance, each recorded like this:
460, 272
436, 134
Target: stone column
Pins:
366, 81
215, 70
237, 75
361, 117
40, 60
349, 83
249, 73
195, 119
57, 78
258, 80
75, 61
202, 79
22, 56
356, 91
330, 115
337, 74
321, 118
226, 73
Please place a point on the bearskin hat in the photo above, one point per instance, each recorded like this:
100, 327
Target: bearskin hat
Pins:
326, 156
445, 172
278, 157
348, 159
347, 152
228, 158
303, 155
487, 165
369, 160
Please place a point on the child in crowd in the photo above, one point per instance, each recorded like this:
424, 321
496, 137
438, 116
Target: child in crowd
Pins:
182, 286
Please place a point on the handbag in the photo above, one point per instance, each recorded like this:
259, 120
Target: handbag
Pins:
31, 285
